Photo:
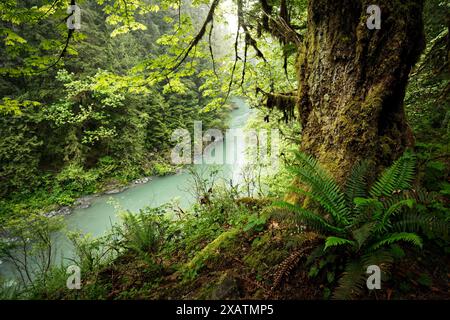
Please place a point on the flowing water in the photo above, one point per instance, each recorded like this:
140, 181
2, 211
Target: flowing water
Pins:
98, 218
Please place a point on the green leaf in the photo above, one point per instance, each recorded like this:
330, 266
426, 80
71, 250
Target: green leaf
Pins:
400, 236
363, 233
392, 210
356, 183
336, 241
312, 219
325, 190
397, 177
351, 282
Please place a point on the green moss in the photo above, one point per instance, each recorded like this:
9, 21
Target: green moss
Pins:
269, 250
345, 38
162, 169
261, 254
385, 146
206, 290
211, 251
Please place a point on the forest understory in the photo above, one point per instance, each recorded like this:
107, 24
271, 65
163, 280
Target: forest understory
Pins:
363, 179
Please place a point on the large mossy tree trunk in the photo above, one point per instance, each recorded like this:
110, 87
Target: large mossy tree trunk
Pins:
352, 81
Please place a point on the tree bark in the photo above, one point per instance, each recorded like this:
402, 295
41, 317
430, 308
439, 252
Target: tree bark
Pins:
352, 81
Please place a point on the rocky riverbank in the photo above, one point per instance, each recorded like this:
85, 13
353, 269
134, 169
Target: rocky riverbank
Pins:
86, 201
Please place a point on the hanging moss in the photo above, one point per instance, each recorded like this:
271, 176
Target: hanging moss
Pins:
285, 102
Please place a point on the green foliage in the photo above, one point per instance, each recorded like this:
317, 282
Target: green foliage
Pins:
25, 238
145, 233
323, 188
145, 246
162, 169
434, 166
75, 178
427, 102
255, 223
397, 177
363, 222
104, 112
19, 148
7, 291
336, 241
90, 253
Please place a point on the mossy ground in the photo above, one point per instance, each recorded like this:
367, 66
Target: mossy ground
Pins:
236, 249
245, 269
238, 264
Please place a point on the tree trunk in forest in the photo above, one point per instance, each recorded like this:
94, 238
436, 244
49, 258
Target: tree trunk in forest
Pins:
352, 81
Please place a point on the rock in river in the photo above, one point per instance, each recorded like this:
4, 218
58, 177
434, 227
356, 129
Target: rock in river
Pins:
142, 180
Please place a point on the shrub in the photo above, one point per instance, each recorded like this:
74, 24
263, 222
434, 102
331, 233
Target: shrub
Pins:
145, 234
27, 243
360, 224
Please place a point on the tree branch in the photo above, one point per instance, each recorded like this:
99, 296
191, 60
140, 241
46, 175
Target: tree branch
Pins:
198, 37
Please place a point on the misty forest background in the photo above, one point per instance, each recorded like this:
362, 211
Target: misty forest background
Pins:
364, 117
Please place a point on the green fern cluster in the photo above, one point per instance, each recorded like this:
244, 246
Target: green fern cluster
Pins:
358, 220
145, 233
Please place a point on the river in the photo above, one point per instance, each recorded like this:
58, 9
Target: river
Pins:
98, 218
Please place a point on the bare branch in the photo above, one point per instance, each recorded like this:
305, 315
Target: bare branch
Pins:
211, 49
198, 37
236, 42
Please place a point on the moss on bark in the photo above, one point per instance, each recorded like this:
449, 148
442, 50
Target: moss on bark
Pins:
352, 81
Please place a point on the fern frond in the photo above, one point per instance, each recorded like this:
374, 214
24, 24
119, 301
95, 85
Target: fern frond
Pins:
384, 222
422, 196
311, 219
367, 206
315, 197
400, 236
363, 233
414, 222
361, 218
397, 197
336, 241
322, 185
397, 177
351, 283
382, 258
356, 184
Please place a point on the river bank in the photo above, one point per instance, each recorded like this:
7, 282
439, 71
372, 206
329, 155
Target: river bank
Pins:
85, 202
96, 213
59, 194
162, 167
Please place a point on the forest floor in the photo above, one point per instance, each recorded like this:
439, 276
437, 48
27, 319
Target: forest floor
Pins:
270, 264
